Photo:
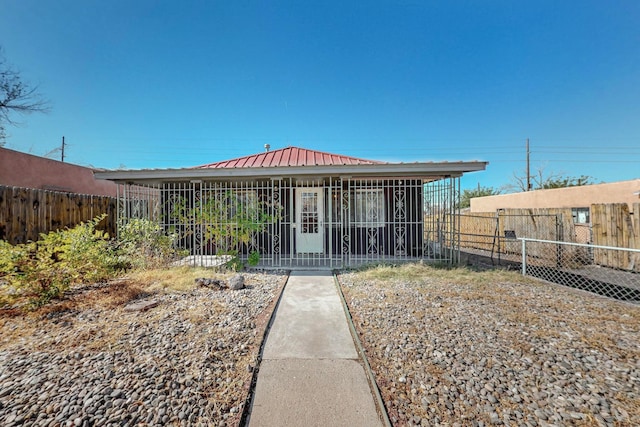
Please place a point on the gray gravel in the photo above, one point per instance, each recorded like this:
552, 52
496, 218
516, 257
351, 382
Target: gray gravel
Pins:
188, 361
516, 353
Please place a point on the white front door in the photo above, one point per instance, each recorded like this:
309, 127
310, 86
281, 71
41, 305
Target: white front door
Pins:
310, 220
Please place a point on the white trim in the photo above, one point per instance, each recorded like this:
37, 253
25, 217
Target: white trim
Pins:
434, 170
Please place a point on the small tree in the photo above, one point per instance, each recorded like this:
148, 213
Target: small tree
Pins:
16, 96
227, 219
467, 195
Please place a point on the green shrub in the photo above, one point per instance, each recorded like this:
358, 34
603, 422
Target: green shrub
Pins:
143, 244
235, 264
45, 269
254, 258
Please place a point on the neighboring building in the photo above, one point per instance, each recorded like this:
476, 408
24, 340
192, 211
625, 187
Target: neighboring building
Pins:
578, 199
574, 201
297, 207
25, 170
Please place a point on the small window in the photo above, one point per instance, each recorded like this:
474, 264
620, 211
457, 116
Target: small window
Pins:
580, 215
368, 208
232, 204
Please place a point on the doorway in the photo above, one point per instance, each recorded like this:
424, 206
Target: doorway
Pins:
310, 220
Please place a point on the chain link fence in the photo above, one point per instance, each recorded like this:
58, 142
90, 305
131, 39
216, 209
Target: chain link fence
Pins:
604, 270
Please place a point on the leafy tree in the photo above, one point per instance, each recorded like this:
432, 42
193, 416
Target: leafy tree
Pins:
467, 195
16, 96
226, 219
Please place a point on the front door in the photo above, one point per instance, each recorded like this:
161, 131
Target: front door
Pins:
310, 220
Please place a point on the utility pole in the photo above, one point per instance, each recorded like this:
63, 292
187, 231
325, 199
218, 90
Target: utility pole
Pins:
528, 168
63, 149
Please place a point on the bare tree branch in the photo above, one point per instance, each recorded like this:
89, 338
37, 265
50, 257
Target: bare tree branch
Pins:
16, 96
542, 179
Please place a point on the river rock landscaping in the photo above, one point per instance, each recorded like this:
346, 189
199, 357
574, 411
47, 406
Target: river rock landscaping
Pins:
494, 348
172, 358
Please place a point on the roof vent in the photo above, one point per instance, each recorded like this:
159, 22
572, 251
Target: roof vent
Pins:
267, 147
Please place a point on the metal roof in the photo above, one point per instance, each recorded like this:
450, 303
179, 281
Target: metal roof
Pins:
289, 156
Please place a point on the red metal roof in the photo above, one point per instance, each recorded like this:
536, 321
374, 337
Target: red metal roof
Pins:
289, 156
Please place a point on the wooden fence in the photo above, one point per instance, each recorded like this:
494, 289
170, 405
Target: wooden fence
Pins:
613, 225
498, 231
25, 213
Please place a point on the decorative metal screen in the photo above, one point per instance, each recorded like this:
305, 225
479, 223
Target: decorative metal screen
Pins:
359, 220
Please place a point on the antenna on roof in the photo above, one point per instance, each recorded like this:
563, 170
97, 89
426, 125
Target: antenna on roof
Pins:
267, 147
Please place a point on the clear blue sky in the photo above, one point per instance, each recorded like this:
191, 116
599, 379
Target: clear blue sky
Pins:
156, 84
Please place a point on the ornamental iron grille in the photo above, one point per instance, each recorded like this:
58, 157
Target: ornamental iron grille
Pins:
358, 220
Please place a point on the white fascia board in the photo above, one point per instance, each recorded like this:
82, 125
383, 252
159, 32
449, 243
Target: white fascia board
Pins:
377, 170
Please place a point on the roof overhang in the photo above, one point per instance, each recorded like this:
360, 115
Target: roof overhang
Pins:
432, 170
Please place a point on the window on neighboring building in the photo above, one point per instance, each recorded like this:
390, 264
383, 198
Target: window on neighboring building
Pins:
368, 208
580, 215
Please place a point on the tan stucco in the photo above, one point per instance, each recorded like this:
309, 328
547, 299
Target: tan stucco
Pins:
25, 170
570, 197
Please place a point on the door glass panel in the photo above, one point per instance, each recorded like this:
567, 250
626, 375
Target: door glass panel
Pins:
309, 213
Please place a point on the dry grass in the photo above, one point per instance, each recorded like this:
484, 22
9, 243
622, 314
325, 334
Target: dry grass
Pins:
459, 275
50, 324
176, 279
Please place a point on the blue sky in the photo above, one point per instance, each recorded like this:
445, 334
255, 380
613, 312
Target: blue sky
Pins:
155, 84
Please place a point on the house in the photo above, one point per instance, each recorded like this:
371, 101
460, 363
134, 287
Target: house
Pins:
579, 199
28, 171
568, 197
590, 214
295, 207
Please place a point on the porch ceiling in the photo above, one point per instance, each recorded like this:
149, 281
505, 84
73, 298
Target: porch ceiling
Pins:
429, 170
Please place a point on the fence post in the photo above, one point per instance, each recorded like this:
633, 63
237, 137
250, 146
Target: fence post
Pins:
559, 238
524, 257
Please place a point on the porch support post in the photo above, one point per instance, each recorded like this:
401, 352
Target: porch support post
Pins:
276, 185
345, 237
329, 221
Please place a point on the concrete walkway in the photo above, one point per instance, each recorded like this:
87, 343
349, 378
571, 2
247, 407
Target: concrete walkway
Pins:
310, 374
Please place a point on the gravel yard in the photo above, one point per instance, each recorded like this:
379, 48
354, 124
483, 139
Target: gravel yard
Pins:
460, 349
87, 361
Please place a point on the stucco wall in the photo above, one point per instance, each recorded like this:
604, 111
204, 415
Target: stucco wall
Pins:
25, 170
570, 197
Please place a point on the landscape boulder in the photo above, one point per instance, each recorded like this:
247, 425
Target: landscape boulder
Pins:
236, 282
210, 283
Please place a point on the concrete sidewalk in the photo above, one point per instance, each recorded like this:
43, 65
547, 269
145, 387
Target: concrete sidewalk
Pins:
310, 374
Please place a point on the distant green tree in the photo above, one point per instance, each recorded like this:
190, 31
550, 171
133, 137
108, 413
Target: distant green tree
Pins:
566, 181
467, 195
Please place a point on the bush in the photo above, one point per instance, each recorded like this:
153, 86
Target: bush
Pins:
45, 269
143, 244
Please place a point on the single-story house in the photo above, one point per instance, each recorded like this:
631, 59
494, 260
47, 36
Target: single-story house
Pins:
295, 207
578, 198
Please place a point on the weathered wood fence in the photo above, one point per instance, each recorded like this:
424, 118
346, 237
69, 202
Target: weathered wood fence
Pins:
25, 213
613, 225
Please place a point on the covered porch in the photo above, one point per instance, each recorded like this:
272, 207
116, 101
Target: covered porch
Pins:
303, 216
